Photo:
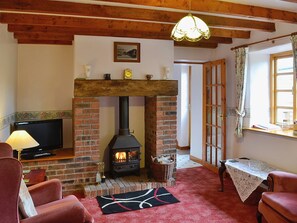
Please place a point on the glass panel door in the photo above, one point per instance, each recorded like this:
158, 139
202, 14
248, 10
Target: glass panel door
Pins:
214, 113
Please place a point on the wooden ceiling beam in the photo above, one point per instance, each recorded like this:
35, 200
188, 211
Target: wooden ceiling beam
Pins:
294, 1
216, 21
84, 23
89, 32
84, 26
43, 36
230, 33
214, 39
196, 44
220, 7
51, 42
79, 9
115, 33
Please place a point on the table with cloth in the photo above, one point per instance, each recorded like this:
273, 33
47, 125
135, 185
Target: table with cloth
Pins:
246, 174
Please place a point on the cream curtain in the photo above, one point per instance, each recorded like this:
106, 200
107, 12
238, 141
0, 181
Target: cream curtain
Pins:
294, 47
241, 58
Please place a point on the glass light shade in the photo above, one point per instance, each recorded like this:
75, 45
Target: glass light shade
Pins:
20, 139
190, 28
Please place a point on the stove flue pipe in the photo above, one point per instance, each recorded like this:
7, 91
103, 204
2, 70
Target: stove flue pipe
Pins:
124, 115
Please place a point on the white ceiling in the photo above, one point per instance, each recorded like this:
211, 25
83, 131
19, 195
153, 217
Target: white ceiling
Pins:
275, 4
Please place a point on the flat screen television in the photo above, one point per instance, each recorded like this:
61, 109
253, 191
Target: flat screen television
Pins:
48, 133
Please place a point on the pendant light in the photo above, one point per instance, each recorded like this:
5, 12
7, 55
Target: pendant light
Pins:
190, 28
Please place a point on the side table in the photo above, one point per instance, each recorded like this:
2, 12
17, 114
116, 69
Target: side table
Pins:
34, 177
246, 174
222, 170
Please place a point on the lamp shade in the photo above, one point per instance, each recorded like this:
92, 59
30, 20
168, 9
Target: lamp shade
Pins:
20, 139
190, 28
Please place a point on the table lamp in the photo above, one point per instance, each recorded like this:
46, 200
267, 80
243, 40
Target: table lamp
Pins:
19, 140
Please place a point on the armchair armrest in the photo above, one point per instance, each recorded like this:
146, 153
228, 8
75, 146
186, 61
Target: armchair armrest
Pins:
46, 192
280, 181
64, 212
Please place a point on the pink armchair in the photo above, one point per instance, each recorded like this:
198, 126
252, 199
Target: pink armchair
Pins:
280, 203
5, 150
47, 197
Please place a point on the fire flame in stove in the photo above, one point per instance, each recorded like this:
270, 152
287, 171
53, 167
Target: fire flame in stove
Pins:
120, 157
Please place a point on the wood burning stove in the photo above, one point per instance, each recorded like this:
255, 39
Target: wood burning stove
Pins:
124, 148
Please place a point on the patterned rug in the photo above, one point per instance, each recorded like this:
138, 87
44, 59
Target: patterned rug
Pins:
135, 200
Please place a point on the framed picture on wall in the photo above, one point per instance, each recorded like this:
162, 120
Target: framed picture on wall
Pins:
126, 52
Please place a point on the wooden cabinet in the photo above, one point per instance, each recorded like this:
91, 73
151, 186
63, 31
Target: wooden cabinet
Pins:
34, 177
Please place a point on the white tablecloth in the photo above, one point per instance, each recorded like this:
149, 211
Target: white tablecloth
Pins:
247, 175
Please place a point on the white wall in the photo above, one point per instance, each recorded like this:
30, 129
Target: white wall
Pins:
45, 81
8, 74
192, 54
276, 150
98, 52
181, 73
189, 134
177, 75
196, 111
259, 81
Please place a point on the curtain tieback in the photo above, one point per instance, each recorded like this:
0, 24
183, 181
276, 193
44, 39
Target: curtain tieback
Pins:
241, 114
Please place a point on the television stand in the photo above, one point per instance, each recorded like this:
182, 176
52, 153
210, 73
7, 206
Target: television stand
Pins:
58, 154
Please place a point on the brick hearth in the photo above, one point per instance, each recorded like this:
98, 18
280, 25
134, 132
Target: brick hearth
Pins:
123, 185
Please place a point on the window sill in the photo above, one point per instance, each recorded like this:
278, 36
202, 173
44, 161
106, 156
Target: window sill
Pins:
285, 133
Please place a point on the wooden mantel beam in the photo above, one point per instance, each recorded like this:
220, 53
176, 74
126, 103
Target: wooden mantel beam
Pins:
97, 88
220, 7
103, 11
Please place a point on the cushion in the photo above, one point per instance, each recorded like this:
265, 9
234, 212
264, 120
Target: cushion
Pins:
284, 203
26, 204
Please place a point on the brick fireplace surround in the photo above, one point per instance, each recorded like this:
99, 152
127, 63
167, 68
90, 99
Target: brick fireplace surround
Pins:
160, 127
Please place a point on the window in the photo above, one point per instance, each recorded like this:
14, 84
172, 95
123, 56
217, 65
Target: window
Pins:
283, 86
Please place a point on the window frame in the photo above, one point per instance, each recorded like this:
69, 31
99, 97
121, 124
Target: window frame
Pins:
273, 91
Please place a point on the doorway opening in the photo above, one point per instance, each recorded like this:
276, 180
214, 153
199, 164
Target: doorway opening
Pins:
201, 112
189, 113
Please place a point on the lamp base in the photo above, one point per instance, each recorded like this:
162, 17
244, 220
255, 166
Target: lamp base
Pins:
19, 155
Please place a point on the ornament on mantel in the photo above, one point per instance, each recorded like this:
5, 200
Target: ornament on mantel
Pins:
87, 69
166, 71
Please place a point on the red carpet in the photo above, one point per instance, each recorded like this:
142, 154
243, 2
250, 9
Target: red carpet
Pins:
200, 201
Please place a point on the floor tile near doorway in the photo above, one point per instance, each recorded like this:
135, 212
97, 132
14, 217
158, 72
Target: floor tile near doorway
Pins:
183, 160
